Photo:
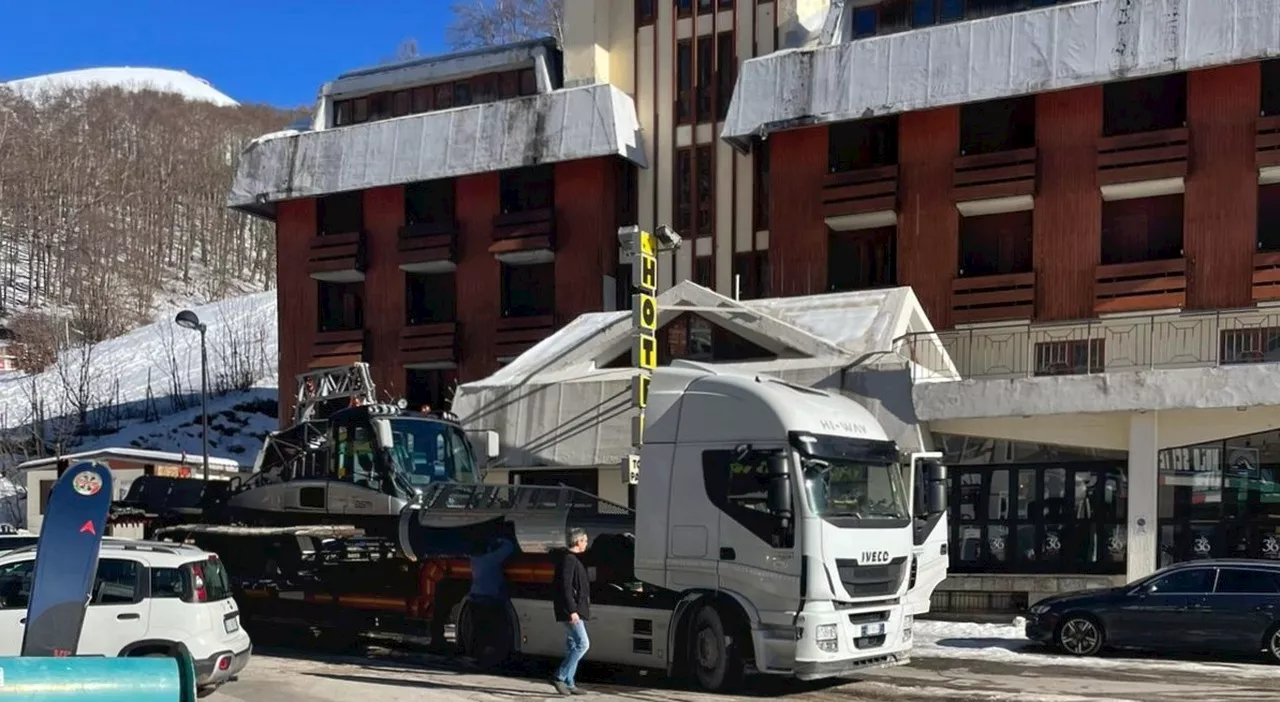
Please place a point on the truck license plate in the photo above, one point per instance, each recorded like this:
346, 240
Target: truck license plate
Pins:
872, 629
232, 624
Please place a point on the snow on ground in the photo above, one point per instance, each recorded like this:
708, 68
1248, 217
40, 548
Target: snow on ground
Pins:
1006, 643
125, 77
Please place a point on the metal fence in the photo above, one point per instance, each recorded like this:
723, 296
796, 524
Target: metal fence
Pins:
1168, 341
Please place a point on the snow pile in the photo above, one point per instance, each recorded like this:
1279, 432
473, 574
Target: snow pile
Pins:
126, 78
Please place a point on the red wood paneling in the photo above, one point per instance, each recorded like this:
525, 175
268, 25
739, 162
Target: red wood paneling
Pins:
478, 276
1221, 210
384, 288
1068, 216
295, 295
586, 234
797, 231
928, 222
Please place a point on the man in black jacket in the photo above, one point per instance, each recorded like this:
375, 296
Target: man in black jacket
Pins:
573, 608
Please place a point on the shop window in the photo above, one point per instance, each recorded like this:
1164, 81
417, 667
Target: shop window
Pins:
1063, 518
432, 388
528, 290
342, 213
429, 202
341, 306
864, 143
527, 189
430, 298
1144, 104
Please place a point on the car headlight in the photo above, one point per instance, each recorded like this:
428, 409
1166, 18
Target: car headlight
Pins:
1040, 609
828, 637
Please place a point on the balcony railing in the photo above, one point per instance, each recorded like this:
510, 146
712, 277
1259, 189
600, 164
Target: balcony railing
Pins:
1268, 141
862, 191
1172, 341
519, 334
428, 247
339, 348
991, 298
1134, 287
528, 230
337, 258
995, 175
429, 343
1145, 156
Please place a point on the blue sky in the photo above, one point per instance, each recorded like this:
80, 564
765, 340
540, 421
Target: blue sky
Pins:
273, 51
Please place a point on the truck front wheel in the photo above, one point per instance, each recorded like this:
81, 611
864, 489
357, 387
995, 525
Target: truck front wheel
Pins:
716, 660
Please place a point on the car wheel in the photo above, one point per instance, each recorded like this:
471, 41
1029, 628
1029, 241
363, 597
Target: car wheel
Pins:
1080, 635
1272, 643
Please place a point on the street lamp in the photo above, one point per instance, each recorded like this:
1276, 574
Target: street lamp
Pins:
188, 320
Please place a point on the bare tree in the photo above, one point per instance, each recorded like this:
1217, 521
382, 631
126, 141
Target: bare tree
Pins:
479, 23
75, 375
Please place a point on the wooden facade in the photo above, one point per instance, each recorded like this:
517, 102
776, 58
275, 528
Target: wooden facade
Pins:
1097, 214
580, 230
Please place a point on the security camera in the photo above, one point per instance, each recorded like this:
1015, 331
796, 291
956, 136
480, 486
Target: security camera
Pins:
667, 237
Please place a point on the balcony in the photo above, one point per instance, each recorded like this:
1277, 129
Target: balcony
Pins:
861, 199
1266, 276
991, 298
429, 345
1142, 343
337, 258
1000, 176
1148, 285
338, 348
524, 237
1145, 164
1268, 149
428, 247
519, 334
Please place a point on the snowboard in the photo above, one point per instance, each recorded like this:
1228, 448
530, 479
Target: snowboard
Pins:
67, 560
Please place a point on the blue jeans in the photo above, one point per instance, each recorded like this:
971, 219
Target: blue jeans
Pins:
576, 644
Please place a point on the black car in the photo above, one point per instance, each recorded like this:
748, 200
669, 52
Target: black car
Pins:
1209, 605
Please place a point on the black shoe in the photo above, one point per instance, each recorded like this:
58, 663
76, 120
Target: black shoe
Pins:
561, 687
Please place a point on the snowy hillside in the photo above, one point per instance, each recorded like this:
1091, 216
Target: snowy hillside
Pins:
126, 78
141, 389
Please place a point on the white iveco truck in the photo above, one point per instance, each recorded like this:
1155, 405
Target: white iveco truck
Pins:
777, 529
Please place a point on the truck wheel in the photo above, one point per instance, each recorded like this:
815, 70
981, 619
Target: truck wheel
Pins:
717, 664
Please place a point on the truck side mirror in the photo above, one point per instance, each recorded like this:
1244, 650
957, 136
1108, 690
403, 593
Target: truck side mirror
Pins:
935, 487
779, 485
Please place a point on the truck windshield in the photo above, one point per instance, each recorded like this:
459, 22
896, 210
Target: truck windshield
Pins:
838, 488
430, 451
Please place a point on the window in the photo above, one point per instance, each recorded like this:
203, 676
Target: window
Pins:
997, 125
684, 81
725, 4
1070, 357
169, 583
726, 73
341, 113
432, 388
624, 287
15, 584
341, 306
485, 89
684, 190
706, 72
684, 8
995, 244
740, 489
761, 184
401, 103
696, 339
528, 82
1269, 215
646, 13
1144, 104
1238, 581
706, 195
430, 298
864, 143
359, 110
422, 100
342, 213
429, 202
1251, 345
751, 271
461, 94
1142, 229
894, 17
353, 456
702, 271
444, 96
528, 291
705, 6
116, 583
1270, 87
528, 189
865, 20
1194, 581
861, 260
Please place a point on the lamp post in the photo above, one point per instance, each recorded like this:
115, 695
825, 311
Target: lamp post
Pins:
188, 320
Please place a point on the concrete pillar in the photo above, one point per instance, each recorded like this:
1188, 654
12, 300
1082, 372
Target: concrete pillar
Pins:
586, 42
1144, 493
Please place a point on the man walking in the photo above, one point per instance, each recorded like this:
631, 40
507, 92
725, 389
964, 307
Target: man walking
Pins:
572, 607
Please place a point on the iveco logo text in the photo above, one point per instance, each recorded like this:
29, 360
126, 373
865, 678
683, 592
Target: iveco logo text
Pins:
850, 427
874, 557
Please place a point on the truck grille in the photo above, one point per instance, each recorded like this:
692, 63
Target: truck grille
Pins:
871, 580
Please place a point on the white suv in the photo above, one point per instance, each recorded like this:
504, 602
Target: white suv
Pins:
149, 599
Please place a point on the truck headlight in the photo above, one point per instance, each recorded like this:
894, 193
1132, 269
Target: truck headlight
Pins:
828, 637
